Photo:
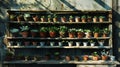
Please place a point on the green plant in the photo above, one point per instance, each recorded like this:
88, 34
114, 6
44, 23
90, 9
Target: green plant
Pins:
88, 16
70, 17
106, 30
49, 16
14, 30
72, 30
24, 28
87, 30
96, 30
26, 15
42, 16
95, 54
79, 30
101, 17
104, 53
95, 17
43, 29
34, 30
83, 17
63, 28
56, 53
53, 29
12, 17
55, 16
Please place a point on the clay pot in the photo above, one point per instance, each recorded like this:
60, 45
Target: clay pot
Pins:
104, 57
80, 34
85, 57
67, 58
24, 34
94, 20
83, 20
62, 34
63, 19
105, 35
95, 58
96, 35
101, 19
77, 19
54, 19
71, 20
52, 34
20, 18
36, 18
43, 34
43, 20
88, 34
71, 35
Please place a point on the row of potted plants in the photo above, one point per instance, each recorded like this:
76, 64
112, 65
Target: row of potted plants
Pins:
67, 43
62, 31
104, 55
55, 18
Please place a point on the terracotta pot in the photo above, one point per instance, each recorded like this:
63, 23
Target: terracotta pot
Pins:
54, 19
77, 19
104, 57
95, 58
49, 20
71, 20
83, 20
62, 34
88, 34
43, 34
24, 34
85, 58
110, 19
71, 35
105, 35
94, 20
36, 18
80, 34
52, 34
67, 58
43, 20
63, 19
34, 43
101, 19
33, 34
89, 19
76, 58
96, 35
20, 18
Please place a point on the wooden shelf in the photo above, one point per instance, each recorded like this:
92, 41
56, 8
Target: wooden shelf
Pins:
99, 62
38, 22
80, 47
51, 39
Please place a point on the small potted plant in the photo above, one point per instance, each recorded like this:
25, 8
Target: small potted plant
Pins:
71, 32
92, 43
95, 56
67, 57
88, 33
49, 18
43, 32
80, 33
24, 30
77, 19
89, 18
71, 18
43, 19
62, 31
104, 55
55, 18
83, 18
57, 55
14, 32
70, 43
85, 43
20, 18
78, 43
34, 34
52, 31
12, 17
35, 18
106, 32
76, 58
96, 32
27, 17
85, 57
47, 56
101, 43
101, 18
63, 19
95, 19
